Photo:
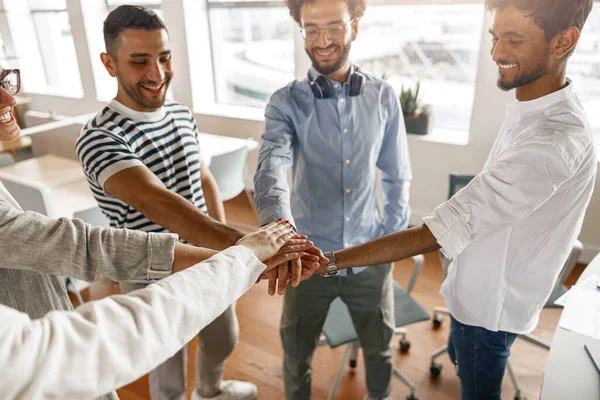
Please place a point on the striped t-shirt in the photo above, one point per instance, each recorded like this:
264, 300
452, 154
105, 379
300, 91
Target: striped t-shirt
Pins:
165, 141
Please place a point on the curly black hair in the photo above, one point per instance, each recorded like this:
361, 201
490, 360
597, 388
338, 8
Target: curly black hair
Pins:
355, 7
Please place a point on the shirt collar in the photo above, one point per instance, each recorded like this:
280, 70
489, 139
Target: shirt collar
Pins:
137, 116
544, 101
313, 73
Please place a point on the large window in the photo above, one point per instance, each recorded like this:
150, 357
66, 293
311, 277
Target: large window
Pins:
41, 34
252, 51
434, 44
584, 69
94, 13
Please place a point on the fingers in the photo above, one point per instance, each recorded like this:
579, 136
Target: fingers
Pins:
272, 226
296, 272
319, 253
295, 247
283, 258
282, 276
310, 265
272, 281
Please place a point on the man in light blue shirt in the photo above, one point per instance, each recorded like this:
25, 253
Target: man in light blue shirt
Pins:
335, 128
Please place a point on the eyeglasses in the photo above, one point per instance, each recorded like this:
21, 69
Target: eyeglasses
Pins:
10, 80
333, 31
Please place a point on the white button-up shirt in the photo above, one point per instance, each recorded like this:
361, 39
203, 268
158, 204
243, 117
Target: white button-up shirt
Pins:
106, 344
510, 231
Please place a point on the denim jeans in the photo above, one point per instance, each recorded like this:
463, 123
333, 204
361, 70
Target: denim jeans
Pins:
480, 357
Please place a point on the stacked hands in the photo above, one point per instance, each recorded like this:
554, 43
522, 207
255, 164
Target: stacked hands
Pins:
289, 257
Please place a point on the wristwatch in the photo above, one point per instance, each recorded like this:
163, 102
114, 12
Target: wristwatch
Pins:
332, 269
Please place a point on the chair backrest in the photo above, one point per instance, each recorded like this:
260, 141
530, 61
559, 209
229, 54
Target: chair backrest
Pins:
6, 159
339, 329
31, 196
93, 216
229, 170
457, 182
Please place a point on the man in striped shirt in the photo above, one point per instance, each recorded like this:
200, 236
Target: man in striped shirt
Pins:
142, 160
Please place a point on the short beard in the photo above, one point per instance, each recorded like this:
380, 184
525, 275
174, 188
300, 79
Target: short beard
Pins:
344, 53
522, 80
134, 92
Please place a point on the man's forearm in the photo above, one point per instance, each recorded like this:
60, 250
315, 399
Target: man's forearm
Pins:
179, 216
389, 248
186, 256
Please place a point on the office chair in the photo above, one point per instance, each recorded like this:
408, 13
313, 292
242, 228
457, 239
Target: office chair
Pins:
92, 216
338, 329
457, 182
229, 170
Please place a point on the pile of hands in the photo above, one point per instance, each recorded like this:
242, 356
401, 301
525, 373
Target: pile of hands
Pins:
290, 258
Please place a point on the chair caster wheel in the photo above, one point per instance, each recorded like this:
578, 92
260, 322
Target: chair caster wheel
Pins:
435, 369
437, 321
412, 397
352, 363
404, 345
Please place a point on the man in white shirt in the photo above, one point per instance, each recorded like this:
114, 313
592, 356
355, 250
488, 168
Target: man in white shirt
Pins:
510, 231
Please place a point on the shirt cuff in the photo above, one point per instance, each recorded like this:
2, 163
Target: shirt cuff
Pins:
161, 252
271, 214
450, 230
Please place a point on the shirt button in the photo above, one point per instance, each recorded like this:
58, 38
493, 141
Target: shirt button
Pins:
336, 85
346, 244
347, 219
342, 100
345, 130
347, 190
347, 161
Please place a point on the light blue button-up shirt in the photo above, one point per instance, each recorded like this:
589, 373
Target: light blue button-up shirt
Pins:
334, 147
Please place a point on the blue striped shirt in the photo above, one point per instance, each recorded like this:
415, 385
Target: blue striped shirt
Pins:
165, 141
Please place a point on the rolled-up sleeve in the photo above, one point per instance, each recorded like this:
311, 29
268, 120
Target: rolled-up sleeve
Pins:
513, 186
272, 191
73, 248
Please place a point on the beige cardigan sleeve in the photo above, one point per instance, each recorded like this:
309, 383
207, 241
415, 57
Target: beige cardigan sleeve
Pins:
34, 242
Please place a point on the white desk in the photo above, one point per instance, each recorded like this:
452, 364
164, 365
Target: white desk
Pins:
569, 371
50, 170
217, 145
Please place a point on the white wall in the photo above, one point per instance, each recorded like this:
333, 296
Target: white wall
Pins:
432, 162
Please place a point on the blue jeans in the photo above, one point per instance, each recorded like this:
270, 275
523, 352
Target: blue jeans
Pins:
480, 357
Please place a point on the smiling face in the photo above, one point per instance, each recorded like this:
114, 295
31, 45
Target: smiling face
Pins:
328, 55
519, 49
142, 66
9, 130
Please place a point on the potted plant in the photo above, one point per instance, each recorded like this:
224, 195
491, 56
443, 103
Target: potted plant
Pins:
416, 116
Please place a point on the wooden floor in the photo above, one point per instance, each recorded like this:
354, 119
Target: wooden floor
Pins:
258, 356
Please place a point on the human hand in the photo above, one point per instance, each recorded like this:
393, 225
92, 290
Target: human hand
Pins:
294, 271
266, 242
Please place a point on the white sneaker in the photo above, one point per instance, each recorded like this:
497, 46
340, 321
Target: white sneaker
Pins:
232, 390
